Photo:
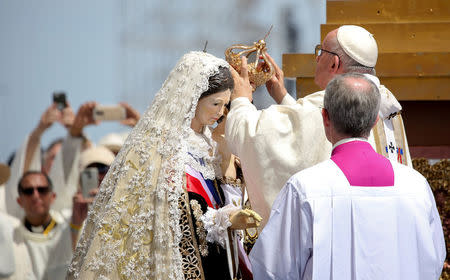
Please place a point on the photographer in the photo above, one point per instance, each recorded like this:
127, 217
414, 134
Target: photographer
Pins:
94, 164
28, 157
76, 142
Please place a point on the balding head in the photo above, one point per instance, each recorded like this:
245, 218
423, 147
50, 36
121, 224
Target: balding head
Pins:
352, 102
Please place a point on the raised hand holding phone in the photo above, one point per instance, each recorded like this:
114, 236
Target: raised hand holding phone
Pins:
109, 113
59, 98
89, 181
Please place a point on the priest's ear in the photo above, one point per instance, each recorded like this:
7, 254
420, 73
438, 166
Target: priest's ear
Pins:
325, 118
326, 124
376, 121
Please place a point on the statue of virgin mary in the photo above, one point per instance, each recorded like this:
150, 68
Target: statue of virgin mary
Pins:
161, 213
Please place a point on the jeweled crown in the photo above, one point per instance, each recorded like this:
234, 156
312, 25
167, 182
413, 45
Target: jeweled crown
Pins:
261, 69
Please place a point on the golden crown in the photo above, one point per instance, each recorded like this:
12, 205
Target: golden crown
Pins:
260, 70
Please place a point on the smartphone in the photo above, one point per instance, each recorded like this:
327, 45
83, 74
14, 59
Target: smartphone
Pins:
109, 113
89, 180
59, 97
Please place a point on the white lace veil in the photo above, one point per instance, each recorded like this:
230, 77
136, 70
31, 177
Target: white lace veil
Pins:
132, 230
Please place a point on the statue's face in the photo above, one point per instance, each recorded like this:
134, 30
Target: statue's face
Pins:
210, 108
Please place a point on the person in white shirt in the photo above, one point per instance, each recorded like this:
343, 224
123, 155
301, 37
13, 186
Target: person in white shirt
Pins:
29, 157
276, 142
45, 234
357, 215
10, 252
5, 172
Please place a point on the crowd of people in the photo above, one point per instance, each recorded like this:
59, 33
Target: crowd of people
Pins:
42, 207
206, 186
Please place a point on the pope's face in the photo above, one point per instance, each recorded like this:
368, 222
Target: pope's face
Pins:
210, 108
324, 71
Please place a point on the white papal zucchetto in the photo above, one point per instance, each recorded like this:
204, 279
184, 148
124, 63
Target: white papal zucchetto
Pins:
359, 44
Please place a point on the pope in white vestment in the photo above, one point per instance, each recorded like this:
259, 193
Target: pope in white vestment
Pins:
275, 143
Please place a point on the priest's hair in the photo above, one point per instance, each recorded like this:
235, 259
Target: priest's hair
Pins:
352, 109
33, 172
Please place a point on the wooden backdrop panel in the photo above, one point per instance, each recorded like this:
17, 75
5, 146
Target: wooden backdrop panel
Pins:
373, 11
405, 37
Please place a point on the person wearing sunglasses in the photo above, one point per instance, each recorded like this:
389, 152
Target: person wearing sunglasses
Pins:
275, 143
44, 232
10, 253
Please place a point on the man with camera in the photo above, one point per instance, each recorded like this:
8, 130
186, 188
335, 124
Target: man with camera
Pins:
29, 157
94, 164
60, 161
89, 113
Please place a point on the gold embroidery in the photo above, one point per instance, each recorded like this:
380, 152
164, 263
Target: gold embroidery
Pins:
191, 262
377, 129
232, 181
250, 234
201, 233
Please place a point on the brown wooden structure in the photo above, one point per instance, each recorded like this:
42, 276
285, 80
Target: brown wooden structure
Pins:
413, 39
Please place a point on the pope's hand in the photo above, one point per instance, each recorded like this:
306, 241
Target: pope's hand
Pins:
242, 86
275, 86
245, 218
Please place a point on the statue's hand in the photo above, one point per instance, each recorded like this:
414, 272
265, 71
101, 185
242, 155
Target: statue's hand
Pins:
245, 218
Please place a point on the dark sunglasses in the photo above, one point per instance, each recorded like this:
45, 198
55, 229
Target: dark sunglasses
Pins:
30, 191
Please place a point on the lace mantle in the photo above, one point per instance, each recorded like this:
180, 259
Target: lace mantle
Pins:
132, 230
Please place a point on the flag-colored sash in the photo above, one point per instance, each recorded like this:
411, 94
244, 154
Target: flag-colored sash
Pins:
197, 184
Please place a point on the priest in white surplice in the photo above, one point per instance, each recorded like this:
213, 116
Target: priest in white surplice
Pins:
274, 143
357, 215
45, 234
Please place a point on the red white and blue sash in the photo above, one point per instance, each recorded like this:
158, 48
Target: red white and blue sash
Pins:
197, 184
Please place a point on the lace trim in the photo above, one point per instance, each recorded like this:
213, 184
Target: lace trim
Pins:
203, 155
201, 233
217, 223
